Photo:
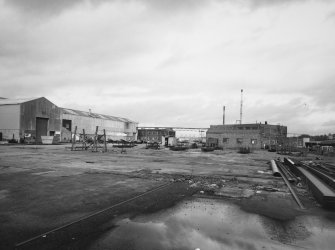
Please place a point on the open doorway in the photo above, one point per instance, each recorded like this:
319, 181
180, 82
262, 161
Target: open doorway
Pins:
41, 128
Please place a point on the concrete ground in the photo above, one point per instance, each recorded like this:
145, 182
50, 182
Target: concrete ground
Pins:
44, 187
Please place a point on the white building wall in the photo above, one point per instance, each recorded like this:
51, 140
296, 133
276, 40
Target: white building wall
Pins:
10, 121
115, 130
90, 123
190, 134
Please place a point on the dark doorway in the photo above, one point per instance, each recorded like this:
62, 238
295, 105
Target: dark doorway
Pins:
0, 136
41, 128
67, 124
166, 141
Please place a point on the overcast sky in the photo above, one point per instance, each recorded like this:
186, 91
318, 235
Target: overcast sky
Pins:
175, 63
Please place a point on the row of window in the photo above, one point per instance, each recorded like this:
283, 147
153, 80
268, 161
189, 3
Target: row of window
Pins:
149, 138
149, 132
247, 128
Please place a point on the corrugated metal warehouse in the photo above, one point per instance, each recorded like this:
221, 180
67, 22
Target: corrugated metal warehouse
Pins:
246, 135
36, 117
116, 127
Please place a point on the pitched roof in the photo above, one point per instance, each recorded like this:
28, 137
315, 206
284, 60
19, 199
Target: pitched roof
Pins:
94, 115
5, 101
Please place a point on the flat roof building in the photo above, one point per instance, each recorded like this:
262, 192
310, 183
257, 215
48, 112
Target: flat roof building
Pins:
255, 135
154, 134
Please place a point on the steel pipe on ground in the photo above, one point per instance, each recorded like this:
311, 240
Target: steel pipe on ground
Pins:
274, 167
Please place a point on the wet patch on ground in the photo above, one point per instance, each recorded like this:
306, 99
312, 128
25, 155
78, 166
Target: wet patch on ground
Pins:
209, 224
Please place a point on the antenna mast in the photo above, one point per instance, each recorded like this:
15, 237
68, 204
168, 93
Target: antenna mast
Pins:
241, 106
224, 114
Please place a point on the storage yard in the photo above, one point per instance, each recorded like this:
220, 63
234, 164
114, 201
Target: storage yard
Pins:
167, 125
55, 198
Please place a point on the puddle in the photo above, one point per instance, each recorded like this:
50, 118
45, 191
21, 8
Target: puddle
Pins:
215, 224
3, 194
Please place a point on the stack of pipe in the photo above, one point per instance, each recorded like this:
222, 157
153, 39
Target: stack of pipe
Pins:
322, 175
286, 171
291, 166
287, 178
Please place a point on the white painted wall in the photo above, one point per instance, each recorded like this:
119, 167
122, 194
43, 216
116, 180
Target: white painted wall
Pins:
114, 129
10, 121
190, 134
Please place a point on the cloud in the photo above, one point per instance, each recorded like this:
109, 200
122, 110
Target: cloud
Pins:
44, 7
255, 4
330, 16
51, 7
174, 63
330, 123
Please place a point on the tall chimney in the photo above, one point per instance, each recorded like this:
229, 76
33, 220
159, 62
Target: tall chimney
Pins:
224, 115
241, 106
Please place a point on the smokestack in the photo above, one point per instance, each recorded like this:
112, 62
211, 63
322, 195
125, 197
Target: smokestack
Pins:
224, 115
241, 106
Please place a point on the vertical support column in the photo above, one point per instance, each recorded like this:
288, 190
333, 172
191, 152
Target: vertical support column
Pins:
74, 138
84, 140
105, 141
96, 139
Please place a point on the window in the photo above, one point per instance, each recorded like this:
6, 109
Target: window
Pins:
225, 140
67, 124
253, 141
239, 140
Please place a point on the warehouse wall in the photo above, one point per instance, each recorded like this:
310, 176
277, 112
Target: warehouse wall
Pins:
10, 121
41, 108
90, 123
246, 135
236, 138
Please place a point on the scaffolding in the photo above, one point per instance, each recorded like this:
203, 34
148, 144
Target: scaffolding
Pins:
94, 142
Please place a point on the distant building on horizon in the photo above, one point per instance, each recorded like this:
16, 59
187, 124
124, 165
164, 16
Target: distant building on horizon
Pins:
158, 134
155, 134
256, 135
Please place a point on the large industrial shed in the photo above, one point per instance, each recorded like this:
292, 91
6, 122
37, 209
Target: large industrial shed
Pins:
36, 117
255, 135
116, 128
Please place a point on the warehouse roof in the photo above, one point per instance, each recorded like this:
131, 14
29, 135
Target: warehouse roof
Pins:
94, 115
4, 101
9, 101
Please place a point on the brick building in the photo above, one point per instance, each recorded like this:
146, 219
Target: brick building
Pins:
154, 134
255, 135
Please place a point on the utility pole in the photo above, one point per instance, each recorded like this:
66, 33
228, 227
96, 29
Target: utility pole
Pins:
241, 106
224, 114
